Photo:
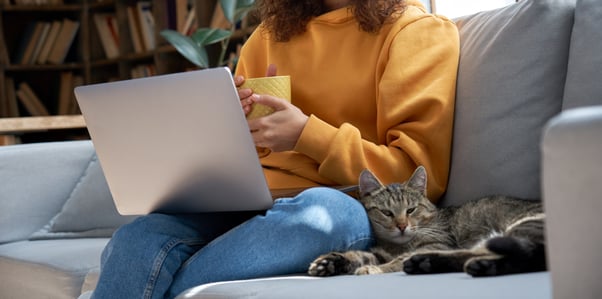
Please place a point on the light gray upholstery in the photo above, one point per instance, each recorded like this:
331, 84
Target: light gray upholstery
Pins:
48, 268
385, 286
510, 82
584, 75
36, 179
88, 212
572, 184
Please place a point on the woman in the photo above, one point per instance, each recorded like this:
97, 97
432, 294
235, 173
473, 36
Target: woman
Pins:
373, 85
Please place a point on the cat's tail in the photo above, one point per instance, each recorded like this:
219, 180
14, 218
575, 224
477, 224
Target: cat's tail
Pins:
524, 239
515, 247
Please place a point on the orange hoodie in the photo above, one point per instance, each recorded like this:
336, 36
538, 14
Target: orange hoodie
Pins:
380, 101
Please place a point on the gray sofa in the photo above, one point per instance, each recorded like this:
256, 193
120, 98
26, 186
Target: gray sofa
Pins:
526, 125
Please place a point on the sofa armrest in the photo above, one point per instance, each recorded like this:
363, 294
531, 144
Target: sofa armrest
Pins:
572, 195
35, 181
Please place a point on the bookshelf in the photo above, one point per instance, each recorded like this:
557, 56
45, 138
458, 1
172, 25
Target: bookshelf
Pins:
30, 64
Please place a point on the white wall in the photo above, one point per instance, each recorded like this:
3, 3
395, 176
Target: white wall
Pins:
457, 8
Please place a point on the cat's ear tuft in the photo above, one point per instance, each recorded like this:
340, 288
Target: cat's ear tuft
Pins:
368, 182
418, 180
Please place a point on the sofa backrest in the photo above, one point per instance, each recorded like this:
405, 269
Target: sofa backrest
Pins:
511, 79
54, 190
35, 181
584, 75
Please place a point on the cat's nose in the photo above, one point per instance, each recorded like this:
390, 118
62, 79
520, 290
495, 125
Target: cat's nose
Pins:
402, 227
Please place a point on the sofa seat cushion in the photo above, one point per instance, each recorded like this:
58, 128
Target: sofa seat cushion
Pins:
393, 285
47, 268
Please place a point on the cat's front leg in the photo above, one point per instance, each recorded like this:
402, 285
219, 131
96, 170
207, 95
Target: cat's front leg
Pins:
338, 263
394, 265
437, 261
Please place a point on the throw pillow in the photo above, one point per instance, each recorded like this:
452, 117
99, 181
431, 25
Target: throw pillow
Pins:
510, 82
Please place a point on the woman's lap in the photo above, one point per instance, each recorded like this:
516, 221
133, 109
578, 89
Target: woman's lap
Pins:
178, 252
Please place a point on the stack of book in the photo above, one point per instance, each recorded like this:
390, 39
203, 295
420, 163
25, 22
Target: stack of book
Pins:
108, 31
141, 24
181, 16
33, 105
46, 42
36, 2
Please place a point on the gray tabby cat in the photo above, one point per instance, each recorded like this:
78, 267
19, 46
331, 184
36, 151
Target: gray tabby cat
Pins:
491, 236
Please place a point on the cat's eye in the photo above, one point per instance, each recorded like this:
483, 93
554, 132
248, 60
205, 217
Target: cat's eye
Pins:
410, 211
387, 213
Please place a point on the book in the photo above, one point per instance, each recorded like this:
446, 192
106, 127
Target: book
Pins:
30, 100
135, 32
31, 43
190, 25
12, 107
114, 29
23, 42
147, 24
143, 70
40, 42
181, 14
55, 27
63, 41
73, 106
65, 90
108, 41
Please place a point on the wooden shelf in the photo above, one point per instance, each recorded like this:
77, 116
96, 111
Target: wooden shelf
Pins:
12, 128
17, 125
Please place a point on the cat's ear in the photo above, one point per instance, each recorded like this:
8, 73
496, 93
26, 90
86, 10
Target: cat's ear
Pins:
418, 180
368, 182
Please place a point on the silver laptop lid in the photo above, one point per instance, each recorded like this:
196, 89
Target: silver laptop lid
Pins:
175, 143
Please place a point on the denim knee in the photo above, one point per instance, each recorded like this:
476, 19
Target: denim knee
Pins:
339, 215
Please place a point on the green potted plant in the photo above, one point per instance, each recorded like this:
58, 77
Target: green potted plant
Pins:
194, 47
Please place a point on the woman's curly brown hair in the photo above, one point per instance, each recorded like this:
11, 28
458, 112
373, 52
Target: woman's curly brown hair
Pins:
287, 18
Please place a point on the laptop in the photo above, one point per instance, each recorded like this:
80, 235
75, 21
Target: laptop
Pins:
176, 143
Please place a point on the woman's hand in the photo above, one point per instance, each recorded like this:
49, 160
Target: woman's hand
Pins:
280, 130
244, 94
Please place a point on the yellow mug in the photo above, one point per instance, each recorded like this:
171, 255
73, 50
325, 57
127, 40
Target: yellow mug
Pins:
278, 86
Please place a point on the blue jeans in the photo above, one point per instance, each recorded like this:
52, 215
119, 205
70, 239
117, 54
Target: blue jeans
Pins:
160, 256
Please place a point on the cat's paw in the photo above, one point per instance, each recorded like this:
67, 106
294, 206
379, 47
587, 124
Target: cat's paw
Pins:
330, 264
482, 267
418, 264
367, 270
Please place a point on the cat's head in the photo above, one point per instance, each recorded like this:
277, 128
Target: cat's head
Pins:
397, 210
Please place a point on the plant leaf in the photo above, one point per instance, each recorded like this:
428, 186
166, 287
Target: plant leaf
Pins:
242, 8
187, 47
208, 36
229, 7
244, 3
240, 13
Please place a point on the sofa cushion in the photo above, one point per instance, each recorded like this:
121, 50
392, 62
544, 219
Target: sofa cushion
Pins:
510, 82
35, 180
584, 76
88, 212
384, 286
47, 268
